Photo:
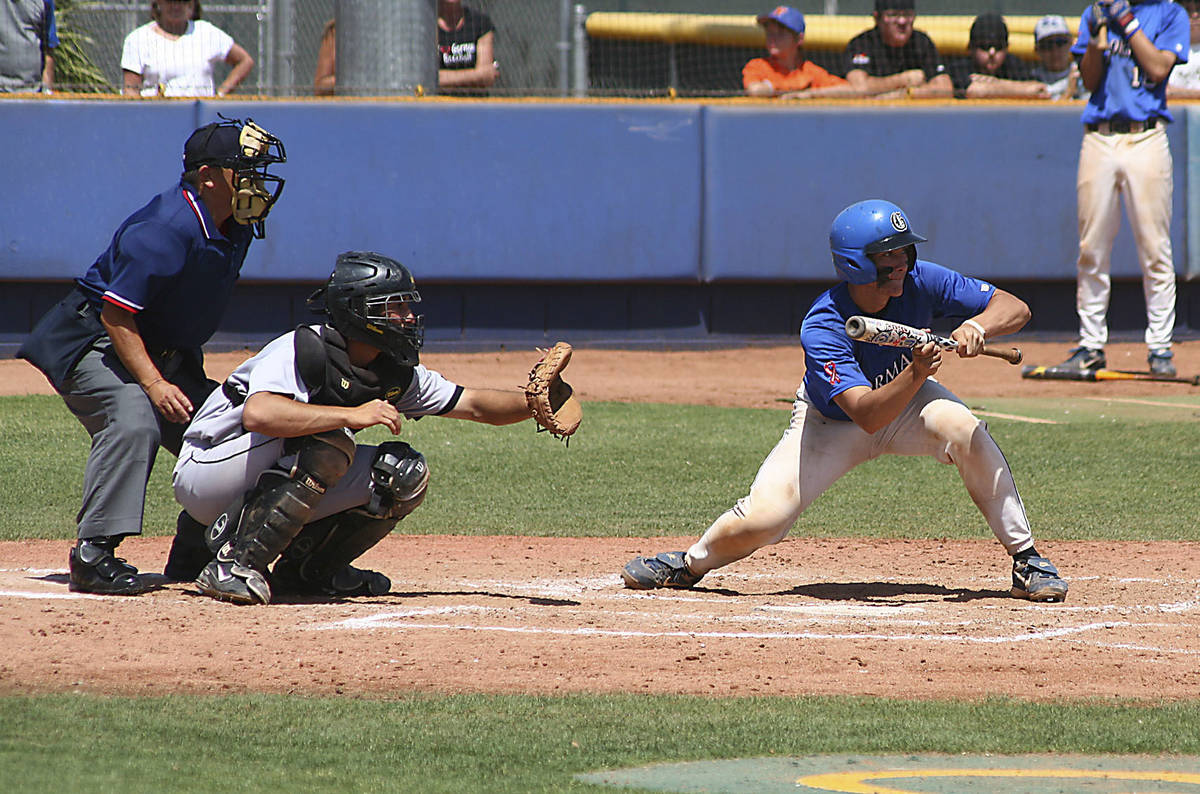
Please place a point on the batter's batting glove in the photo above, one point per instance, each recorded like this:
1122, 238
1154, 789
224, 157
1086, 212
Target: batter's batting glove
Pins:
1098, 19
1121, 18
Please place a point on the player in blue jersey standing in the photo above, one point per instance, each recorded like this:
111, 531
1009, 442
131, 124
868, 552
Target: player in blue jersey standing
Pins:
859, 401
123, 349
1127, 52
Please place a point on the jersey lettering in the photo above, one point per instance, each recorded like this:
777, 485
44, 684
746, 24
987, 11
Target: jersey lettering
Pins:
888, 375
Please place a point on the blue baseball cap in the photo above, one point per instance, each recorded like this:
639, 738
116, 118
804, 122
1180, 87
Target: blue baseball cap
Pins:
787, 16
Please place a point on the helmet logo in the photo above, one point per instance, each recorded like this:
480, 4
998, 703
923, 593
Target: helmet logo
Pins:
898, 222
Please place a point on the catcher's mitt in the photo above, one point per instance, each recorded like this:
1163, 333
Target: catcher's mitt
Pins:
550, 398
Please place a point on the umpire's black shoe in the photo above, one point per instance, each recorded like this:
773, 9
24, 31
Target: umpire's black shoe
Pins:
95, 569
1086, 359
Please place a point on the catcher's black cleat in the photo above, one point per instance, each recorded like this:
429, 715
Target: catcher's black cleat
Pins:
668, 569
286, 579
95, 569
225, 580
1036, 579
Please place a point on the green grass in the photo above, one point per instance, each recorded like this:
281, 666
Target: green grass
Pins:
1106, 472
494, 743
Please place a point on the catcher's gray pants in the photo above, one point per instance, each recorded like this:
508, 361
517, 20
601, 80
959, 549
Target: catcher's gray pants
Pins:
126, 432
816, 451
208, 479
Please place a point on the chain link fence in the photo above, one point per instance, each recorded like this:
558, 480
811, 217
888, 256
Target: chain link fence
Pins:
541, 45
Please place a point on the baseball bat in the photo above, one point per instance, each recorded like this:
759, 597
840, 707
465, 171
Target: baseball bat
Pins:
891, 334
1093, 375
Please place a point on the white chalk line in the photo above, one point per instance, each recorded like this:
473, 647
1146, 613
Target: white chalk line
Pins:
397, 620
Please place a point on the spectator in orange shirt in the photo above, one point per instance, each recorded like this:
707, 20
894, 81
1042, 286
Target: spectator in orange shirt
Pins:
785, 72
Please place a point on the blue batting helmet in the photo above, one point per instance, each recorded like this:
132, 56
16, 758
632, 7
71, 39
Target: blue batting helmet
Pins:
868, 227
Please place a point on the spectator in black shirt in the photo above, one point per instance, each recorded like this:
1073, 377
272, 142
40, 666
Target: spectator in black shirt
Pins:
989, 70
893, 60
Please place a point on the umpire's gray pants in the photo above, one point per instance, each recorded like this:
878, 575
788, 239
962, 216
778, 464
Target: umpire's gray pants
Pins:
126, 432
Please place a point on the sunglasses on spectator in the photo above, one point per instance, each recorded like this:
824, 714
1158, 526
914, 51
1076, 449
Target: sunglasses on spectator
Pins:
991, 45
1053, 41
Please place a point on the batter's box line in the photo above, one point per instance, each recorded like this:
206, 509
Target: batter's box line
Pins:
397, 621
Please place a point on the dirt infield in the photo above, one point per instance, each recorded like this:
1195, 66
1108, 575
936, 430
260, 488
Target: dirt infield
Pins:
508, 614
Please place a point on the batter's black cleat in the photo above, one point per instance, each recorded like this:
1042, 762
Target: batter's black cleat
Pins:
287, 579
1036, 579
1161, 363
1085, 359
668, 569
95, 569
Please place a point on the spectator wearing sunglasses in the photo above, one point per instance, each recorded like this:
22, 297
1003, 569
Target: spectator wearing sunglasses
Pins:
1056, 66
989, 71
1184, 82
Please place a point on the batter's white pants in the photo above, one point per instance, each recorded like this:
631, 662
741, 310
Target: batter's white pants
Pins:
816, 451
1138, 167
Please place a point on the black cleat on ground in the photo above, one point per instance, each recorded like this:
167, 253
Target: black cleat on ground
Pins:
1161, 363
1036, 579
1085, 359
95, 569
668, 569
286, 579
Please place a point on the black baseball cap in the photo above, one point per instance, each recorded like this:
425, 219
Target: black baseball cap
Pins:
894, 5
989, 30
213, 144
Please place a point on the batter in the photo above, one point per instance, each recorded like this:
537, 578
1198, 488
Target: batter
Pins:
859, 401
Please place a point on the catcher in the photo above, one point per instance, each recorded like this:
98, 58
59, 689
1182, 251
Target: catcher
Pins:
270, 472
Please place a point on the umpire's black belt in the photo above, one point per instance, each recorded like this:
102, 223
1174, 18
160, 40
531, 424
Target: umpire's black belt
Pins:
1122, 126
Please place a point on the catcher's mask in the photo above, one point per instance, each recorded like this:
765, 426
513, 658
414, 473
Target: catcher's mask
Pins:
248, 150
869, 227
372, 298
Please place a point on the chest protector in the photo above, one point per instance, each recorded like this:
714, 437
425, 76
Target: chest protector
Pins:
324, 366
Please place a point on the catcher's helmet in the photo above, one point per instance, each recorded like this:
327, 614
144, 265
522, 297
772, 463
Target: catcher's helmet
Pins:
368, 297
868, 227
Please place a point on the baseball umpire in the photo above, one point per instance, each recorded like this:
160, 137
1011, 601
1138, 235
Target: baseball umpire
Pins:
859, 401
270, 463
1127, 52
123, 349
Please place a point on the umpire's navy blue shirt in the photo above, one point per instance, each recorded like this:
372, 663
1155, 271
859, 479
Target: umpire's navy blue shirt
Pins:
172, 267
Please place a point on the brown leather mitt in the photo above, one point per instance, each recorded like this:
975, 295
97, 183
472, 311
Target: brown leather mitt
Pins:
551, 399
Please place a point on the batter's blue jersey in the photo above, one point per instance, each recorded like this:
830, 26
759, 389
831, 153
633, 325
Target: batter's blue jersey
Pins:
171, 266
1125, 93
834, 362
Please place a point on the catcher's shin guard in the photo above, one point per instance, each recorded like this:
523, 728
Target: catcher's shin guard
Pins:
318, 560
272, 517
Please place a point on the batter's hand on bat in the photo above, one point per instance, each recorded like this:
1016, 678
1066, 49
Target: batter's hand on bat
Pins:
375, 412
970, 340
926, 359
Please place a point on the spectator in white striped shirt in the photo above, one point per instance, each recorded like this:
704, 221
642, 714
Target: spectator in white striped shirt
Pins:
174, 54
